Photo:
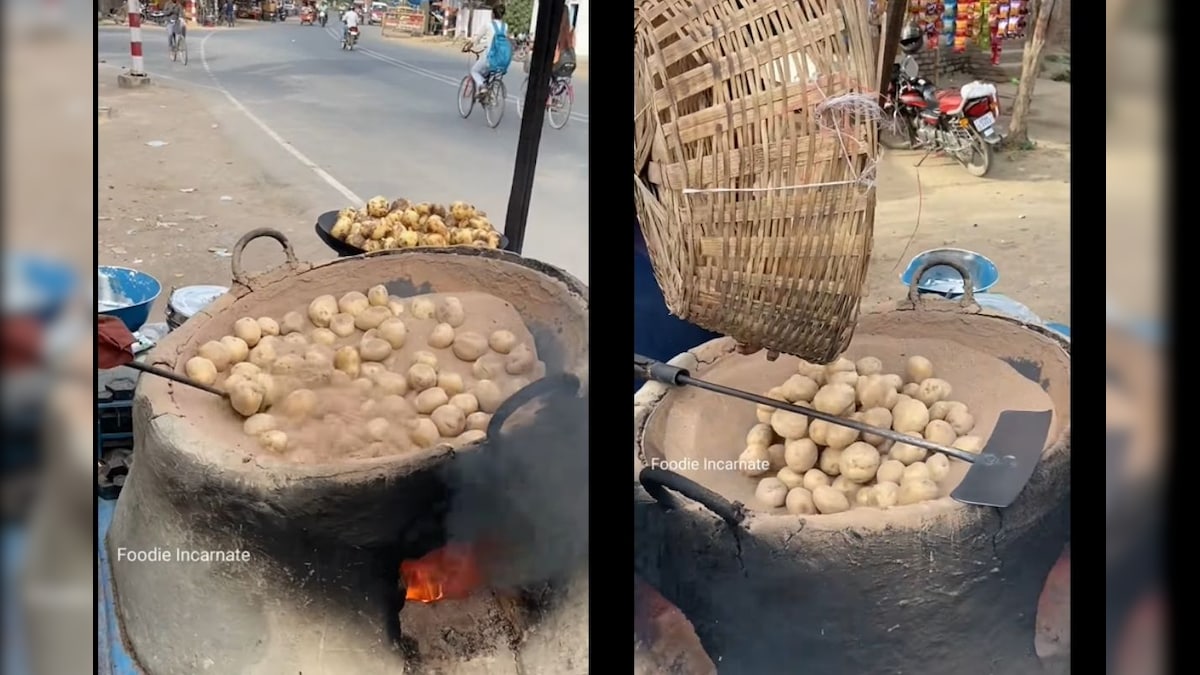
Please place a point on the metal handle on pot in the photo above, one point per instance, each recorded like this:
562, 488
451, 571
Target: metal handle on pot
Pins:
564, 384
239, 275
967, 302
657, 481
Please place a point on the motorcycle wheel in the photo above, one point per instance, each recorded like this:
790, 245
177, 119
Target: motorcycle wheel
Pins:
896, 138
980, 161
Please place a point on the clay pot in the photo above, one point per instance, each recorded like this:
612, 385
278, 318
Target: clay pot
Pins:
938, 587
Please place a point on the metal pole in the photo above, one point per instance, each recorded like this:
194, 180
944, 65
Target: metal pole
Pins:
896, 14
541, 61
135, 38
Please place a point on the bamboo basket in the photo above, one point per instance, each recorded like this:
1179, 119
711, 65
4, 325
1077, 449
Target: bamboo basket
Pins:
754, 190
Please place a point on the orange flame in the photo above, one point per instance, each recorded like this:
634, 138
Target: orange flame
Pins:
448, 573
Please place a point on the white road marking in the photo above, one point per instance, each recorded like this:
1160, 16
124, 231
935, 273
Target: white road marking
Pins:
423, 72
291, 149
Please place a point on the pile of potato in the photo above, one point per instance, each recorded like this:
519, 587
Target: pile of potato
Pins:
366, 375
819, 467
383, 225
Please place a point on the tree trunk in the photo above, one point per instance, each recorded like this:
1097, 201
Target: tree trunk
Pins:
1031, 64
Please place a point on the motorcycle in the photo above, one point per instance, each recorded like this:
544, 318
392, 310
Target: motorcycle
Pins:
323, 18
351, 38
960, 123
308, 16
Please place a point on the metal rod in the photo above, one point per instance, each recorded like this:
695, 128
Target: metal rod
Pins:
175, 377
541, 62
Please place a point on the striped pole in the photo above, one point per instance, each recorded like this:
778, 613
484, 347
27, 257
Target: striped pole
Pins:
135, 38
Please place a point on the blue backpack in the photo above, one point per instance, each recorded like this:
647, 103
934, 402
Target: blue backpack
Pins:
500, 54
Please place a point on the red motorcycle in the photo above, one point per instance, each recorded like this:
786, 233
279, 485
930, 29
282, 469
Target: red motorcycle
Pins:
960, 123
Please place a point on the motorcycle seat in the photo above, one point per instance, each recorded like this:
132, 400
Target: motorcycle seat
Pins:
949, 101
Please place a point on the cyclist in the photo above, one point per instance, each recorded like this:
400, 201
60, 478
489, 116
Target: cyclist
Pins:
564, 51
483, 45
349, 18
172, 12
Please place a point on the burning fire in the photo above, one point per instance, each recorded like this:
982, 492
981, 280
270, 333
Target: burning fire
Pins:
448, 573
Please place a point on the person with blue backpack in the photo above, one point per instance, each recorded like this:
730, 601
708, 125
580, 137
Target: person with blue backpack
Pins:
495, 50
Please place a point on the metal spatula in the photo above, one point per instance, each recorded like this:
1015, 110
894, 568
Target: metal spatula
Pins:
996, 477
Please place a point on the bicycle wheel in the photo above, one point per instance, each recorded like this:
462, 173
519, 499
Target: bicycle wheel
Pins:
521, 98
466, 96
494, 109
559, 110
181, 47
173, 46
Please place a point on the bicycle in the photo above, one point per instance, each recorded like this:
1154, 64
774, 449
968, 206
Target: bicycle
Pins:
492, 98
178, 43
558, 101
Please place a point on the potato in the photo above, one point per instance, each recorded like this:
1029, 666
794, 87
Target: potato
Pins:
246, 397
300, 404
868, 365
372, 370
971, 444
320, 311
939, 432
428, 358
489, 395
288, 364
466, 403
754, 461
450, 420
906, 453
830, 461
789, 425
763, 412
917, 491
201, 370
918, 369
245, 369
799, 388
274, 440
423, 308
377, 296
394, 331
839, 436
353, 303
814, 478
940, 409
890, 470
843, 377
450, 310
295, 341
847, 487
441, 336
915, 471
217, 353
933, 390
841, 365
960, 420
880, 418
259, 423
771, 492
471, 436
323, 336
236, 347
875, 391
520, 360
339, 379
274, 388
910, 390
348, 360
395, 407
886, 494
478, 421
293, 322
502, 341
488, 367
939, 467
834, 399
860, 462
910, 415
760, 434
423, 432
776, 452
268, 326
812, 371
451, 383
818, 431
801, 454
469, 345
263, 355
390, 383
895, 380
374, 349
318, 358
342, 325
799, 502
865, 497
421, 376
248, 330
372, 317
396, 305
828, 500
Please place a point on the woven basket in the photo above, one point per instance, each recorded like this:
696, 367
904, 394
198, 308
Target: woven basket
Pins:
754, 191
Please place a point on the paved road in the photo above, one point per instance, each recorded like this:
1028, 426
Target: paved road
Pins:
380, 120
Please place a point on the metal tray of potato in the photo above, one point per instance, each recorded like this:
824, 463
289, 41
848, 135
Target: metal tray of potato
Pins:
324, 227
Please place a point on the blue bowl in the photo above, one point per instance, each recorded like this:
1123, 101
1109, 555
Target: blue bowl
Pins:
137, 292
37, 287
945, 280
